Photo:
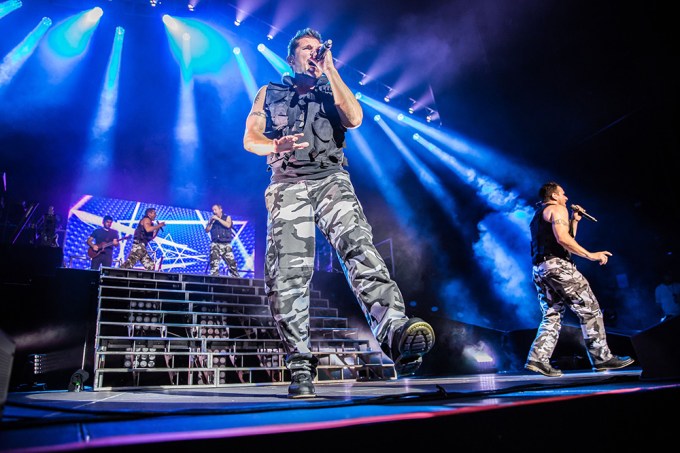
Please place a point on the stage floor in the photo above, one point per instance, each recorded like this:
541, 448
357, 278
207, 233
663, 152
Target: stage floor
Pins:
485, 411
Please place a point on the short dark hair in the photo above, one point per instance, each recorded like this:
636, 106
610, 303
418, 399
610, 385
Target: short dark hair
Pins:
149, 211
107, 218
547, 189
293, 43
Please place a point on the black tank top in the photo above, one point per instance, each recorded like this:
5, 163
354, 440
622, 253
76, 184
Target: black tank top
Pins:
544, 245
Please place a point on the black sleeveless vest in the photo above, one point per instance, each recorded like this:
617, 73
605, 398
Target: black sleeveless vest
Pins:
315, 115
140, 234
544, 245
221, 234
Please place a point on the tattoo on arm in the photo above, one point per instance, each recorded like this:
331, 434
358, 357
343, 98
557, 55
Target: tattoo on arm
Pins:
560, 221
262, 114
258, 96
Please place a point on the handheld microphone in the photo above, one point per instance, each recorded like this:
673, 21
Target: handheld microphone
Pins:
321, 52
583, 213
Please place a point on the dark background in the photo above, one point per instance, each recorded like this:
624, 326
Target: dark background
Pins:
580, 92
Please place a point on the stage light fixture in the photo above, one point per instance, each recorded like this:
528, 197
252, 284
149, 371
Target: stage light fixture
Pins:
358, 95
78, 380
400, 117
386, 99
154, 3
410, 110
237, 50
237, 22
376, 118
260, 47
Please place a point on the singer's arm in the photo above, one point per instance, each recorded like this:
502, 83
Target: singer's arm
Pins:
150, 227
254, 139
558, 216
351, 113
227, 223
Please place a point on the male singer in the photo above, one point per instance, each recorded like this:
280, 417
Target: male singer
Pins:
300, 126
221, 235
145, 232
559, 284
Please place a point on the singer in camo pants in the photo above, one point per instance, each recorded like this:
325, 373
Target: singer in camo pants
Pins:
560, 285
222, 251
331, 204
138, 252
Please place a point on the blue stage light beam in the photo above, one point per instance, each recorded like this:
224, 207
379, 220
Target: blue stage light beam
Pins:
428, 179
97, 159
9, 6
393, 195
16, 58
246, 74
207, 48
109, 97
277, 62
499, 167
67, 42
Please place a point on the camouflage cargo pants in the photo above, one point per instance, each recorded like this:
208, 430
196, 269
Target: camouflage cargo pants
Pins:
138, 253
222, 251
559, 285
331, 204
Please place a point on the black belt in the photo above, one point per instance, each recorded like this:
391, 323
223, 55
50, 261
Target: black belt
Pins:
550, 257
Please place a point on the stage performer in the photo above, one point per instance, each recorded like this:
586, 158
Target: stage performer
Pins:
101, 242
221, 232
559, 284
145, 232
300, 125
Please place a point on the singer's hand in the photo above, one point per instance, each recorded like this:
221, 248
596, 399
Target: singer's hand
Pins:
600, 257
289, 143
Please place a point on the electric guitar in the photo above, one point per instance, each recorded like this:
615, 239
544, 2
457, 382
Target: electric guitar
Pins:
93, 253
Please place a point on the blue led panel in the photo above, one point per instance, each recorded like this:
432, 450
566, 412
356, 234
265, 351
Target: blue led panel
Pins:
183, 246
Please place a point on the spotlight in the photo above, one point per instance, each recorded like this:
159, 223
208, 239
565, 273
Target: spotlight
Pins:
428, 118
416, 136
237, 22
270, 37
376, 117
190, 7
154, 3
260, 47
400, 117
237, 50
386, 99
410, 110
358, 95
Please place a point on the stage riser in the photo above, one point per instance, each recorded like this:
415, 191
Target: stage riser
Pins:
211, 331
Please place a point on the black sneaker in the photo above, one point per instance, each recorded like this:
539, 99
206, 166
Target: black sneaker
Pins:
614, 363
543, 368
301, 385
409, 344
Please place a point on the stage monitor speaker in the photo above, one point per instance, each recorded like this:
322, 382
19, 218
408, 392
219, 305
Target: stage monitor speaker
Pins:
7, 348
657, 350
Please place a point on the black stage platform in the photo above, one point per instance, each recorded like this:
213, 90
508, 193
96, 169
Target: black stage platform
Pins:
485, 412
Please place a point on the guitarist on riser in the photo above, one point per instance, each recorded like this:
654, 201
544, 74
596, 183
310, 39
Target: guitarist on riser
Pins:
101, 243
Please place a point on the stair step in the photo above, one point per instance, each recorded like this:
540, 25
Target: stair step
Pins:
215, 331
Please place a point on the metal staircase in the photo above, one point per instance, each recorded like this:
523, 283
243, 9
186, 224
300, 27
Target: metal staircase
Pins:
160, 329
